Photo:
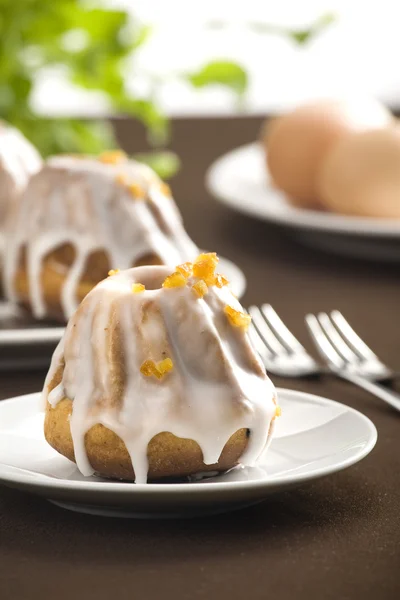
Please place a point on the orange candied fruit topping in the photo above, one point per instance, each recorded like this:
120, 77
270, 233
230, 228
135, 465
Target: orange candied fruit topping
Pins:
165, 366
278, 411
121, 178
186, 269
237, 318
112, 157
149, 368
113, 272
165, 189
200, 288
204, 267
137, 288
136, 191
220, 280
174, 280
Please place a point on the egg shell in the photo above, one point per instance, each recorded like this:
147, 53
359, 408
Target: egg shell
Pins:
361, 175
297, 143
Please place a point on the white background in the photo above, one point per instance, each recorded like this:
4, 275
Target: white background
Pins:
359, 53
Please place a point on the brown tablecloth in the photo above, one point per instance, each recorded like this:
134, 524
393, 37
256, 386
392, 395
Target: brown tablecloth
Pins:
338, 538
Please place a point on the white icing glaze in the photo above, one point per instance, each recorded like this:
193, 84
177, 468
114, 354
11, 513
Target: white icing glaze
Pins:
217, 385
18, 161
80, 201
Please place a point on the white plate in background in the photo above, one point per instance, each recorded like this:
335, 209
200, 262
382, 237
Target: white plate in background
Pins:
240, 180
314, 437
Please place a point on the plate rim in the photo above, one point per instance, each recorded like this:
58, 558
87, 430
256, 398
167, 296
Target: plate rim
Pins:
298, 217
49, 483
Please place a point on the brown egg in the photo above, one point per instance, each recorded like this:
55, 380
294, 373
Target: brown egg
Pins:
297, 142
361, 175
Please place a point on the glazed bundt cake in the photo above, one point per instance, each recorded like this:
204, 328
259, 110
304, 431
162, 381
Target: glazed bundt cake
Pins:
80, 217
18, 161
155, 377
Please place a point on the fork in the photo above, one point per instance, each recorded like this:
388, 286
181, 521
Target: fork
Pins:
349, 357
283, 355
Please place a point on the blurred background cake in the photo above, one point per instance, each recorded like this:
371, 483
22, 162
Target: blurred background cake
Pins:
80, 217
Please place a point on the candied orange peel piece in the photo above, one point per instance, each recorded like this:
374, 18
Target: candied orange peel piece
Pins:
158, 370
278, 411
137, 288
200, 288
165, 366
220, 280
185, 269
210, 257
237, 318
136, 191
165, 189
174, 280
113, 272
204, 267
112, 157
121, 178
147, 368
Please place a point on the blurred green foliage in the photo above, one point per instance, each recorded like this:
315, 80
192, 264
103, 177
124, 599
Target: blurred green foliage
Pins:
222, 72
163, 162
91, 46
37, 34
299, 36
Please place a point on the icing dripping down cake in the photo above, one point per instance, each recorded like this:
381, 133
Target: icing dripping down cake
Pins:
18, 161
156, 377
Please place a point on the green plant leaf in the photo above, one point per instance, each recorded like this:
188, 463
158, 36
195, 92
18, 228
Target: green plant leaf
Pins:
150, 115
221, 72
165, 163
325, 20
303, 36
141, 37
102, 25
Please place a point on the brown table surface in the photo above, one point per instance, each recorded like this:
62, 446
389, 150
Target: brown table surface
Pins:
338, 538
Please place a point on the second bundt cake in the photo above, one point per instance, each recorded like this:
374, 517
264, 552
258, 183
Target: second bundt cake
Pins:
80, 217
156, 377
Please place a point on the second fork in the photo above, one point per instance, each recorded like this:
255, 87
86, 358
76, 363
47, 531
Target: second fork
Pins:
283, 355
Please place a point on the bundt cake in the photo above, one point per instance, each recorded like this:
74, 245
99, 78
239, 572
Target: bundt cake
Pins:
155, 377
18, 161
78, 218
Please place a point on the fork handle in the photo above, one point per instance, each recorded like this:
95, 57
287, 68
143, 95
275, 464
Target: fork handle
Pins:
389, 396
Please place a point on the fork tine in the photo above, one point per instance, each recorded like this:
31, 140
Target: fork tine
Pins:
259, 345
324, 346
336, 339
348, 333
280, 329
265, 332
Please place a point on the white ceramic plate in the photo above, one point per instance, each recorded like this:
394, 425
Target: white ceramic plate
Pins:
240, 180
27, 343
314, 438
